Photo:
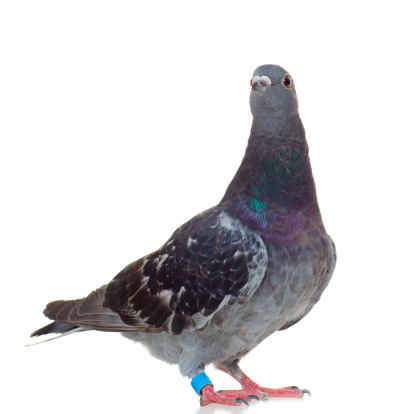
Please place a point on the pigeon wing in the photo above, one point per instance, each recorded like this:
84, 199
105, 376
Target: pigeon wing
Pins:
207, 269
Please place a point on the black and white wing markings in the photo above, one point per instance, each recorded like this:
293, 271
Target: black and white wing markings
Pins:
207, 269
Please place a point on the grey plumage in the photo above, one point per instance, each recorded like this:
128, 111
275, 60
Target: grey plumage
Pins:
236, 273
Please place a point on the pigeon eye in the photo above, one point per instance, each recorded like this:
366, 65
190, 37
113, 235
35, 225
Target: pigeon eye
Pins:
287, 82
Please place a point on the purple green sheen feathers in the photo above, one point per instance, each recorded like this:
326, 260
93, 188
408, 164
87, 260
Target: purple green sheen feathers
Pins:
273, 192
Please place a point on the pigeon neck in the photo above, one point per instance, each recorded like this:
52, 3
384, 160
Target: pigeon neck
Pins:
273, 190
278, 127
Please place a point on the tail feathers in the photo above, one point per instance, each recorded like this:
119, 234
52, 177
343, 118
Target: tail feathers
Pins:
60, 334
54, 327
60, 310
82, 314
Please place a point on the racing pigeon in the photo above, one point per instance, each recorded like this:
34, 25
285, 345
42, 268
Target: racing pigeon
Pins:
234, 274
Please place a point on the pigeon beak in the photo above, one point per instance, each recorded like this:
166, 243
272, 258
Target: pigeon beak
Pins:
256, 86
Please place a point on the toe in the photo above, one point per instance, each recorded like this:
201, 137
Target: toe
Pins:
220, 397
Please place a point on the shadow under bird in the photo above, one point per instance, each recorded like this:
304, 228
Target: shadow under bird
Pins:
234, 274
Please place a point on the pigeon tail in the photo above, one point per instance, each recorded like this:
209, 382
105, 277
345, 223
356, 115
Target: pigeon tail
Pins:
55, 327
82, 314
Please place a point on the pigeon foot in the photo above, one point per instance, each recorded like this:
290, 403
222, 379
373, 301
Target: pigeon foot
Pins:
208, 395
262, 393
251, 390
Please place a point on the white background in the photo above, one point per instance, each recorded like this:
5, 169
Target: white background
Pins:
121, 120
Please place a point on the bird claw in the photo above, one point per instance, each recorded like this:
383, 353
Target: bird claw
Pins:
253, 397
304, 391
240, 400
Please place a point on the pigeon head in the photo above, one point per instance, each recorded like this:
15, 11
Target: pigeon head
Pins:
273, 100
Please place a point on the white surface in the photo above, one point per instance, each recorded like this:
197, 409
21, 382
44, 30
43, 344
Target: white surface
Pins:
121, 120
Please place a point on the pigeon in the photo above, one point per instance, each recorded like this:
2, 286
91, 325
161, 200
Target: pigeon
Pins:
254, 264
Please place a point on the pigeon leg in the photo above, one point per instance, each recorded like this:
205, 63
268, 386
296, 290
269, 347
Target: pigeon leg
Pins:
251, 390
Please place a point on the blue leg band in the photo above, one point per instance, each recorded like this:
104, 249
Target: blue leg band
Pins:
199, 381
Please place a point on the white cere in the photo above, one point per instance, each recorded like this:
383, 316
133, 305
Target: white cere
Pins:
264, 80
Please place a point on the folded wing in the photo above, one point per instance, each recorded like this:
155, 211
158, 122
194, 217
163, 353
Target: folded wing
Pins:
208, 268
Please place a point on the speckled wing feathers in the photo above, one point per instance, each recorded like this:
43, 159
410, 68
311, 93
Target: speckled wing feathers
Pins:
206, 270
